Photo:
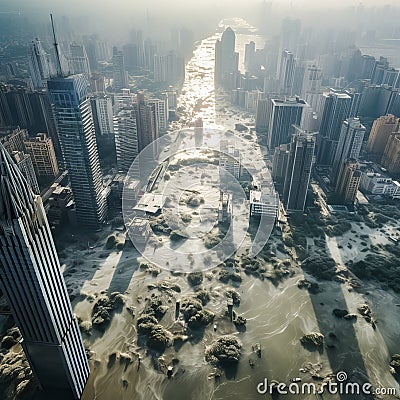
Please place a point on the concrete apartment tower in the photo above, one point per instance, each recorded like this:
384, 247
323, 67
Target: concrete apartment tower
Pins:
382, 128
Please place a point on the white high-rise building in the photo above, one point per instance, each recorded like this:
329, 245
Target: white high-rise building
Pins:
312, 81
38, 64
103, 116
123, 99
286, 73
126, 138
79, 60
162, 113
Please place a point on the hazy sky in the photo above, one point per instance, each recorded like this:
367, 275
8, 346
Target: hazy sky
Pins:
117, 17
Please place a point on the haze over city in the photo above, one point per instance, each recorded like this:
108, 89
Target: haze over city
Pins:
199, 200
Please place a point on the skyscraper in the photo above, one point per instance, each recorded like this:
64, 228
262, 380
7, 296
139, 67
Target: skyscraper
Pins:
298, 77
382, 128
146, 119
169, 68
25, 165
262, 115
72, 111
161, 109
28, 110
367, 66
286, 73
120, 76
14, 143
348, 182
13, 139
335, 109
226, 59
380, 67
298, 172
349, 145
312, 80
249, 55
280, 161
102, 116
32, 282
38, 64
79, 59
290, 34
391, 156
97, 83
126, 138
279, 117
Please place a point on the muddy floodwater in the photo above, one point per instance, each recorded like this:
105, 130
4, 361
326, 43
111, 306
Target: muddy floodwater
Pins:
277, 315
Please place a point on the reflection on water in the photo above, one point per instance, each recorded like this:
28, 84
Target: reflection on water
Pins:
198, 97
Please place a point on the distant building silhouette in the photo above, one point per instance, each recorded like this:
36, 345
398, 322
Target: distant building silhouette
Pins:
38, 64
226, 59
120, 75
169, 68
79, 60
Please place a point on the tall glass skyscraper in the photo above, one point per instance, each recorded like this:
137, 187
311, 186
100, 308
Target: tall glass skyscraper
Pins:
349, 146
38, 64
73, 115
31, 280
300, 162
336, 107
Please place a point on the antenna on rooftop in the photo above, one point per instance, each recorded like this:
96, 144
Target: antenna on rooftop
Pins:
58, 60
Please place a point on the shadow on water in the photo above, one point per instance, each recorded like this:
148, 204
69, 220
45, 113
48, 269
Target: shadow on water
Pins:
125, 269
341, 344
230, 372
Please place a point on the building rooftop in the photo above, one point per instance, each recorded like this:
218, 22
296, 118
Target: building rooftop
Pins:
292, 101
150, 203
264, 197
16, 197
